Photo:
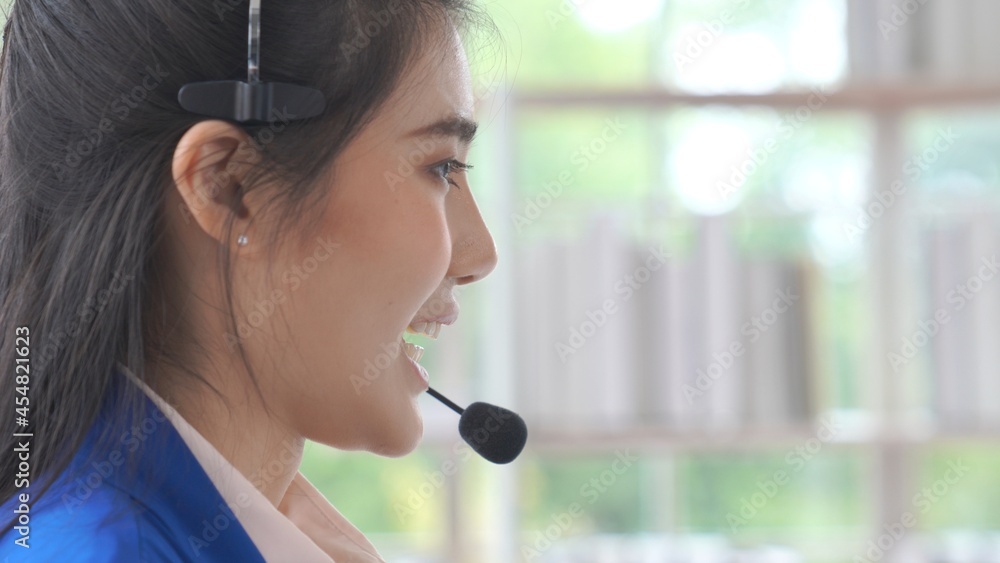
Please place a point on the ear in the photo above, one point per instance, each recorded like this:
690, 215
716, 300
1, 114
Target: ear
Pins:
209, 167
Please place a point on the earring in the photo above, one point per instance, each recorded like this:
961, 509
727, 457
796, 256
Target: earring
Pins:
242, 241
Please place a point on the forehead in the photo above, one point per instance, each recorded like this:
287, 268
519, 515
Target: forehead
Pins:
435, 84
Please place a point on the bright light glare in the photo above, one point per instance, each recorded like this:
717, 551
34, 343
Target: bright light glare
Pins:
817, 45
706, 155
752, 57
819, 180
610, 16
832, 244
746, 62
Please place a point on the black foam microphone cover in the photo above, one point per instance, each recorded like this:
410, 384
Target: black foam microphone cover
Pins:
494, 432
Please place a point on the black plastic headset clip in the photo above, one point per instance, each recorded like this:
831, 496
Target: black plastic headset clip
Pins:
252, 101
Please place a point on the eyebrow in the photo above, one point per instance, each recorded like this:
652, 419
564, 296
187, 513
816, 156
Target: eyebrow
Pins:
453, 126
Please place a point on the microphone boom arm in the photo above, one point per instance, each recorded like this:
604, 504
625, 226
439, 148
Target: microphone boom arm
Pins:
445, 400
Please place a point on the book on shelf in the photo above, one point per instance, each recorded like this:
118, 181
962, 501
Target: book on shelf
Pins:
985, 313
942, 39
803, 372
721, 308
650, 346
985, 51
899, 41
765, 345
539, 375
614, 372
952, 354
577, 353
707, 341
685, 346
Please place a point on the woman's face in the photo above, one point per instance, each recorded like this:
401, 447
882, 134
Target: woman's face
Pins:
395, 239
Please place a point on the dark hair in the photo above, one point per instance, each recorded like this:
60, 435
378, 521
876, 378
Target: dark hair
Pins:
89, 122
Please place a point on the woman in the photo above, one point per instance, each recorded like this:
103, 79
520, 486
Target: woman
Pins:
189, 299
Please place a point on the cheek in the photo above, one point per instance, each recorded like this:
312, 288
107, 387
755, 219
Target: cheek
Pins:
413, 229
395, 250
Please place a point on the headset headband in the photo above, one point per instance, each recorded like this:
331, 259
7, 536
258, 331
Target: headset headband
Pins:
252, 101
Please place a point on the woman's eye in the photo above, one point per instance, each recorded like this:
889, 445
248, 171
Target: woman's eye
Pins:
445, 169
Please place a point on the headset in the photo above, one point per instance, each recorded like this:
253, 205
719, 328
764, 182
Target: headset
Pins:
495, 433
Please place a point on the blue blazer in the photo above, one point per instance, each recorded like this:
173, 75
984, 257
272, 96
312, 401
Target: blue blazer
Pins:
171, 512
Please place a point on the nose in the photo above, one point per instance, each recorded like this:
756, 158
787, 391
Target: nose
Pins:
473, 251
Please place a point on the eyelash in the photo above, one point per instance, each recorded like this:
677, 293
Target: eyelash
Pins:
452, 165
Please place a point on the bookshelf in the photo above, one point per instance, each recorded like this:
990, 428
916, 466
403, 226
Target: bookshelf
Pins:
932, 66
889, 427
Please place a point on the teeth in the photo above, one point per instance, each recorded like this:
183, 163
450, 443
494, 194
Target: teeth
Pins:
431, 330
414, 351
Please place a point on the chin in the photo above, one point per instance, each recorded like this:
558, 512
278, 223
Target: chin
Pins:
401, 439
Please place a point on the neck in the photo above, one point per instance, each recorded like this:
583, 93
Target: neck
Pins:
262, 449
